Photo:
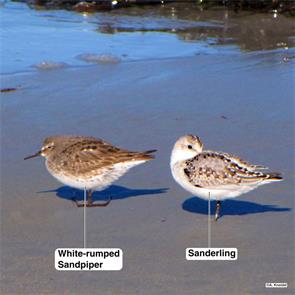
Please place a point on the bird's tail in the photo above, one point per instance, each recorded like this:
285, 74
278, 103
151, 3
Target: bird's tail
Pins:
147, 154
274, 176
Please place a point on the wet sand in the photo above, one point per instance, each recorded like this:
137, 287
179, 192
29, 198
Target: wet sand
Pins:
241, 104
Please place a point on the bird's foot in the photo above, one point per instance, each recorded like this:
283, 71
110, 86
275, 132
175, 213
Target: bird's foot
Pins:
91, 204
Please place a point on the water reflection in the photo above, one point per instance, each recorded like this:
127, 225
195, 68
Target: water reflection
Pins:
250, 31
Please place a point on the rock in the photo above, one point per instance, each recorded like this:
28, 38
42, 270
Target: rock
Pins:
49, 65
93, 6
102, 58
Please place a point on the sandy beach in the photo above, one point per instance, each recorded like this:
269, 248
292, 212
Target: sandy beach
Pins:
143, 105
240, 103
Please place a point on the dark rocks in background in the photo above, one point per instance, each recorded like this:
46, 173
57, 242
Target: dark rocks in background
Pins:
92, 6
281, 6
78, 5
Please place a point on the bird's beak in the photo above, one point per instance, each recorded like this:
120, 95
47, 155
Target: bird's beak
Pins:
33, 156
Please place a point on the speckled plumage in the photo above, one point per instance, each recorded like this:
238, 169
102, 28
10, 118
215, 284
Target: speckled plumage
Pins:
221, 174
87, 162
213, 169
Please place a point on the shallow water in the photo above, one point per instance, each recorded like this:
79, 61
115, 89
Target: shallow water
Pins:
31, 37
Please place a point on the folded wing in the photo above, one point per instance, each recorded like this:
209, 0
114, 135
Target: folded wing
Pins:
211, 169
90, 154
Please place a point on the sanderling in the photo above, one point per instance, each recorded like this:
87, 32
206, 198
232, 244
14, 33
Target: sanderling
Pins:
88, 163
223, 176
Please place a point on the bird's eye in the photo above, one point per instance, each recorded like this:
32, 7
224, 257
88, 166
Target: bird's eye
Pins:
189, 147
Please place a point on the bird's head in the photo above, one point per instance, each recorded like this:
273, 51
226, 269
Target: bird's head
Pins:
47, 148
186, 147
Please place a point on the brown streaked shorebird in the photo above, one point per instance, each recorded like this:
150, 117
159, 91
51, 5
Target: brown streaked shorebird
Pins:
88, 163
223, 176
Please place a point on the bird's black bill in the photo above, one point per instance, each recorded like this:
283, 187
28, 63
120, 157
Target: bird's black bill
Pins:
33, 156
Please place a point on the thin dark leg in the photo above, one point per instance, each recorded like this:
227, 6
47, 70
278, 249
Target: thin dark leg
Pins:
90, 201
218, 209
89, 198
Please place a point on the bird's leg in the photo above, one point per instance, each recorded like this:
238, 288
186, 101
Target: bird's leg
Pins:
217, 212
82, 204
89, 198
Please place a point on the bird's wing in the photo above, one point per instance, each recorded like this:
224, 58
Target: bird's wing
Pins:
210, 170
88, 154
241, 162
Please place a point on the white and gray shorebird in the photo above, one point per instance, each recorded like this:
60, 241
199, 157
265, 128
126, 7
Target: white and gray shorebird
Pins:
222, 175
88, 163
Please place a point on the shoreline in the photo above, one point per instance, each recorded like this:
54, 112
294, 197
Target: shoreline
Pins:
281, 55
57, 39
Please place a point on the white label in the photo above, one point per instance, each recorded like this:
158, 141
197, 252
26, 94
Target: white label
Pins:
276, 285
88, 259
211, 254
